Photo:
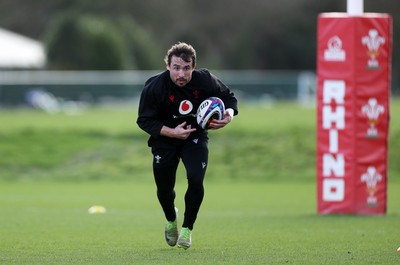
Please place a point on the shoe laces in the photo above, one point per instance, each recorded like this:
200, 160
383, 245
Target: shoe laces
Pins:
171, 225
185, 233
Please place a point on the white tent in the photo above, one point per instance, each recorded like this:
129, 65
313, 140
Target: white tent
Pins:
17, 51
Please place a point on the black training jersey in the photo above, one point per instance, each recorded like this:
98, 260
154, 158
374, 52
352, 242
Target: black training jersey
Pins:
164, 103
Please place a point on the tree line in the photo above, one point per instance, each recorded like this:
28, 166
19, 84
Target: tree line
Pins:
133, 34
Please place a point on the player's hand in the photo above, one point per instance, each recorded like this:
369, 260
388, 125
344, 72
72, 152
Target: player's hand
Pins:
182, 131
218, 124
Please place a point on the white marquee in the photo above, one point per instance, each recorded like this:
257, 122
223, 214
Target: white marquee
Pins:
17, 51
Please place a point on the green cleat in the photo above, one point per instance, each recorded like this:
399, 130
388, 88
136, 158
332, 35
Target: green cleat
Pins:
185, 238
171, 231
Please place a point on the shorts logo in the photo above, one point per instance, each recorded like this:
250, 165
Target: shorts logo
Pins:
185, 107
157, 158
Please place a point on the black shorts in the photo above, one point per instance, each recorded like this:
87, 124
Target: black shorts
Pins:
194, 155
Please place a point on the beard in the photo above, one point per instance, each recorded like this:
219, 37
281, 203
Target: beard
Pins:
181, 82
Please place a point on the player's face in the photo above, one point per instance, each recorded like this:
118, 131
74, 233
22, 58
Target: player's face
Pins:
180, 71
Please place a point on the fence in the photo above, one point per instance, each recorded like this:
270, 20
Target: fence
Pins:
99, 86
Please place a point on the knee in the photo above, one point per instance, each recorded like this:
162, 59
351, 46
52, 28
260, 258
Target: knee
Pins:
195, 183
166, 193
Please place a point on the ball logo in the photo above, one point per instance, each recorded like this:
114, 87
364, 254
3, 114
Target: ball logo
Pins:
204, 105
185, 107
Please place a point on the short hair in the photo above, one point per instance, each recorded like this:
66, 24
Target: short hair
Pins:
182, 50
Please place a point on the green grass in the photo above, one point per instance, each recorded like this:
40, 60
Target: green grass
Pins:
105, 144
239, 223
259, 208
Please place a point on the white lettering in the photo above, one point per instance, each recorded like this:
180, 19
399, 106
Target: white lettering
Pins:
329, 117
330, 164
333, 166
333, 141
334, 89
333, 190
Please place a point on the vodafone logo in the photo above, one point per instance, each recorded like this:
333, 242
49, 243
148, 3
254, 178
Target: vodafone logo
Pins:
185, 107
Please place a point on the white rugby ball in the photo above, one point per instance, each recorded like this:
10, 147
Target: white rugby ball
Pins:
211, 108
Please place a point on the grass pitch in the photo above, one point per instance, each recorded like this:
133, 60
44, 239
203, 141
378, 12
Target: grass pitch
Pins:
239, 223
264, 143
259, 207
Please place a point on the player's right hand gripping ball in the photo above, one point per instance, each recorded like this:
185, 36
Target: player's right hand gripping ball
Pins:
209, 109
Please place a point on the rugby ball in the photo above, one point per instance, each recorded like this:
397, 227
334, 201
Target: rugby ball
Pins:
209, 109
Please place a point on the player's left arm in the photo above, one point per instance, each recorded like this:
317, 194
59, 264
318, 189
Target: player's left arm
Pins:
219, 89
222, 91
